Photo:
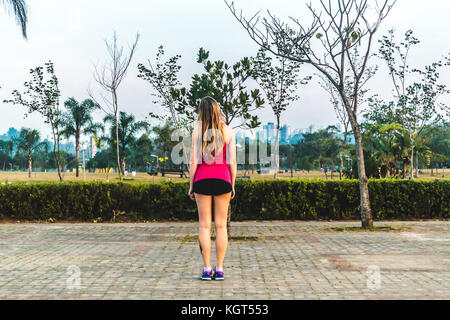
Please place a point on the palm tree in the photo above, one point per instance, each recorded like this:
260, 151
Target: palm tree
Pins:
78, 121
128, 127
379, 146
29, 141
401, 143
19, 9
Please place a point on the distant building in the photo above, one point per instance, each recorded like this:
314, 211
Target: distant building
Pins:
269, 131
10, 135
240, 136
284, 134
313, 128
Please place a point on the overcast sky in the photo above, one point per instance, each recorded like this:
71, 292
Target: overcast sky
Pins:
72, 33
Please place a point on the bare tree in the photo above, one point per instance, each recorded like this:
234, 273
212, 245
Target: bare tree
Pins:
279, 81
338, 103
109, 76
326, 44
341, 114
42, 95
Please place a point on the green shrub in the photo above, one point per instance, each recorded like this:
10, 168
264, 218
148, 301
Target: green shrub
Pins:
255, 200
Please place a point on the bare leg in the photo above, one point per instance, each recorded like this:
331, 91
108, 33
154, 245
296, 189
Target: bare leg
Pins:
204, 226
221, 203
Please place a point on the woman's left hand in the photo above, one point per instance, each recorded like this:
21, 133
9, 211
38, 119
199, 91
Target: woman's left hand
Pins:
191, 194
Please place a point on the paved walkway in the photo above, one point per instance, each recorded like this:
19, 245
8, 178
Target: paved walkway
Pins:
285, 260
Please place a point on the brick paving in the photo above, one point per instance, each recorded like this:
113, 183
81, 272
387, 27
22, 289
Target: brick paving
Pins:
285, 260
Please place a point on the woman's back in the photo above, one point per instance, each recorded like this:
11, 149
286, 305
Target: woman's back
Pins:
214, 165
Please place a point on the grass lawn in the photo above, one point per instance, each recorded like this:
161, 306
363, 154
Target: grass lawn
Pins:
144, 177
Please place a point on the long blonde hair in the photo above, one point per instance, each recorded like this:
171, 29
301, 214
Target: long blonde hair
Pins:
210, 116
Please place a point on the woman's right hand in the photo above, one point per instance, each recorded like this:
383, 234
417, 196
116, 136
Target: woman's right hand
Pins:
233, 193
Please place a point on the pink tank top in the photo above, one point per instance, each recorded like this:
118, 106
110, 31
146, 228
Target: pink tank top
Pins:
208, 170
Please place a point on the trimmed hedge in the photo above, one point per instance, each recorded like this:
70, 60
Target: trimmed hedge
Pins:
255, 200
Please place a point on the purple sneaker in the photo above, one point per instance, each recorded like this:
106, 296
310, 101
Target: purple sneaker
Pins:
218, 275
207, 275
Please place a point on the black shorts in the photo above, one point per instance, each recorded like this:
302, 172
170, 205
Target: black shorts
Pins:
212, 187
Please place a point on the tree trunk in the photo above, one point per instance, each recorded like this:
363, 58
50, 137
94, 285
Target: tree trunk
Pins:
164, 161
77, 149
412, 162
417, 165
117, 148
276, 151
341, 156
29, 165
365, 210
56, 151
123, 163
116, 116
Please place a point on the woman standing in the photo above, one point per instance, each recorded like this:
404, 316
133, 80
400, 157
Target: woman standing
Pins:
212, 175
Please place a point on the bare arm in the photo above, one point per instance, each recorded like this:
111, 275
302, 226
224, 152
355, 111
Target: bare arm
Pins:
193, 164
232, 163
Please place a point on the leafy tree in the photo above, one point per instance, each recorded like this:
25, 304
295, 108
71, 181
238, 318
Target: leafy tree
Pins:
77, 121
379, 145
6, 149
141, 151
437, 140
29, 140
19, 9
287, 155
401, 142
41, 158
226, 84
66, 160
42, 96
102, 159
128, 128
163, 141
416, 91
320, 148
